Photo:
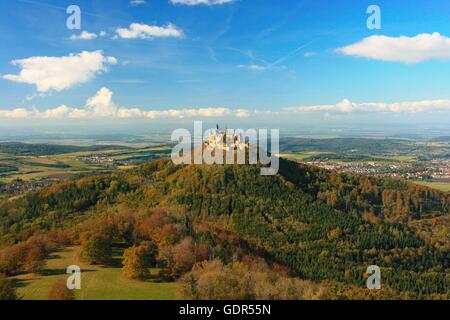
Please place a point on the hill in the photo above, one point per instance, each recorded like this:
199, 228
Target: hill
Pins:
310, 223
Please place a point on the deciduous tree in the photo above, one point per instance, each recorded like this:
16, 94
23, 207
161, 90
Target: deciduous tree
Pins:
97, 249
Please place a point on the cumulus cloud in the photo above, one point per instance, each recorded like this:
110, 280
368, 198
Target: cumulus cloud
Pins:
199, 2
102, 106
200, 112
21, 113
422, 47
60, 73
84, 35
18, 113
347, 106
58, 112
145, 31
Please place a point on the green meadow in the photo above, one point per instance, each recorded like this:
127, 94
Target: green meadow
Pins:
97, 282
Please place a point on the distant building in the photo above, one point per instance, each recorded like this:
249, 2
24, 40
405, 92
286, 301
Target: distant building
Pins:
225, 140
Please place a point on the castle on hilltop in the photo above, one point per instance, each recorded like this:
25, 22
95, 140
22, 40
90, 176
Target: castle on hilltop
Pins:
225, 140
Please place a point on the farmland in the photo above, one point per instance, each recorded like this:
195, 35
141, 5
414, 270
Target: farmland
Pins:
27, 167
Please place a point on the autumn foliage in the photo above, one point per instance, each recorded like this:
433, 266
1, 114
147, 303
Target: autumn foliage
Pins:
138, 259
59, 291
7, 291
97, 249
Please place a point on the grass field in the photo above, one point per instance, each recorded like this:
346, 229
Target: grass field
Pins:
97, 283
443, 186
300, 155
396, 158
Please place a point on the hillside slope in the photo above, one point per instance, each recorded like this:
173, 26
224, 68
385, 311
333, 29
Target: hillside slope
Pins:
322, 225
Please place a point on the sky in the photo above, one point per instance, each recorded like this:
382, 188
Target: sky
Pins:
298, 62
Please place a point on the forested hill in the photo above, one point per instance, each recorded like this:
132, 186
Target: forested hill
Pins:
323, 226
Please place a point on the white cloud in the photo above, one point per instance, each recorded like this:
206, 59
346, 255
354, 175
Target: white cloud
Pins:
18, 113
423, 47
136, 3
21, 113
253, 67
241, 113
78, 114
60, 73
199, 2
189, 113
58, 112
347, 106
309, 54
145, 31
102, 106
261, 68
84, 35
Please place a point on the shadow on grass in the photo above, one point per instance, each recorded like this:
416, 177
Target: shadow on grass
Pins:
115, 263
53, 257
55, 254
58, 272
21, 283
117, 255
52, 272
158, 279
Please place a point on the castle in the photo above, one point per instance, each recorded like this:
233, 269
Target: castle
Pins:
225, 140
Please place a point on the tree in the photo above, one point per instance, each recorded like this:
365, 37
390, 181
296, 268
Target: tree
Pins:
59, 291
34, 260
138, 259
184, 256
97, 250
7, 291
9, 261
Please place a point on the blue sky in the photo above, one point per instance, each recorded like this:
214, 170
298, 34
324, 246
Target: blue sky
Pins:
274, 57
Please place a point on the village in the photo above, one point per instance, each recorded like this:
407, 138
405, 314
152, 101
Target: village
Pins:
18, 187
100, 159
432, 170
